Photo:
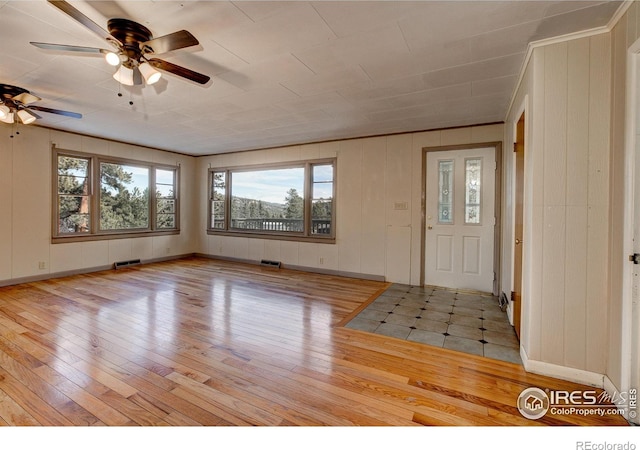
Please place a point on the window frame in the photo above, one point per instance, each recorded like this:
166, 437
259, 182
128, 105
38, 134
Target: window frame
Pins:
95, 233
306, 235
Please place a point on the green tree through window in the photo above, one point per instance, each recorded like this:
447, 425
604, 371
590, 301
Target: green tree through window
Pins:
74, 210
123, 205
96, 198
294, 207
295, 199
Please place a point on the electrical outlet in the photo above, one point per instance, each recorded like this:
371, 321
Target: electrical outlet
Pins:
168, 250
321, 260
42, 265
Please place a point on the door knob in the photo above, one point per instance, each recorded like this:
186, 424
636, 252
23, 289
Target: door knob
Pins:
518, 241
429, 227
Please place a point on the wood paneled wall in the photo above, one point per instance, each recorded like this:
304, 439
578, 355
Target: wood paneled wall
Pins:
373, 238
566, 90
25, 202
625, 33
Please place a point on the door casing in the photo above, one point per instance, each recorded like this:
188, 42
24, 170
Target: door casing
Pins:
518, 224
497, 208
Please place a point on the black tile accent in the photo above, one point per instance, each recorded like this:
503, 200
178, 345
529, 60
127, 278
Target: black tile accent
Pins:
483, 341
446, 334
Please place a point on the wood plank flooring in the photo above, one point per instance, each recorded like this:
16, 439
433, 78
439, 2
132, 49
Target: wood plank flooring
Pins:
204, 342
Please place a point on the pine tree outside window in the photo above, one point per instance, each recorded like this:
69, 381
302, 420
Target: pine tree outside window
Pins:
99, 197
286, 201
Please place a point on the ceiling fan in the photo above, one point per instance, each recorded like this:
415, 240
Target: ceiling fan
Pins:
134, 47
16, 104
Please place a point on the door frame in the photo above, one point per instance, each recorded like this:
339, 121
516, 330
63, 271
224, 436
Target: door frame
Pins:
628, 351
497, 209
517, 249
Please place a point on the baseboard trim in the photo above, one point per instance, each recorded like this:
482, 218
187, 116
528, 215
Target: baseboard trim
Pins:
68, 273
562, 372
615, 393
52, 275
339, 273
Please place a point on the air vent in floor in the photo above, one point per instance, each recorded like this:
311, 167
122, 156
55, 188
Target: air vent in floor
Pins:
267, 263
121, 264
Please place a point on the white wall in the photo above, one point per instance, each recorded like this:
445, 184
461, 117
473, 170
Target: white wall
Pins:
373, 174
567, 194
25, 205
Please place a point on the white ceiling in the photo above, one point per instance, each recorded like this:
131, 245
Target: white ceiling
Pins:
287, 72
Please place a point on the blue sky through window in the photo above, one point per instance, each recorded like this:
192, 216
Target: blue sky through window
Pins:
269, 185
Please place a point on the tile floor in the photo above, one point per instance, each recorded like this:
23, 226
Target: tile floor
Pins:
457, 320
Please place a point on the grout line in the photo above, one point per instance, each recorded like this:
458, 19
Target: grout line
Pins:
394, 288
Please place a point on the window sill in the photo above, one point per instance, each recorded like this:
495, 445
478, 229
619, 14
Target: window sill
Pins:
109, 236
275, 236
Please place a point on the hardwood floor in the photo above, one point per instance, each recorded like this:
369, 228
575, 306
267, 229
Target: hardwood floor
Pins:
205, 342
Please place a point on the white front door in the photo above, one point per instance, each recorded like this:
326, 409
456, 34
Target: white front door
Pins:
460, 221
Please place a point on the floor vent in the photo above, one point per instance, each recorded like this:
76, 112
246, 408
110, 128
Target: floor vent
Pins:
267, 263
121, 264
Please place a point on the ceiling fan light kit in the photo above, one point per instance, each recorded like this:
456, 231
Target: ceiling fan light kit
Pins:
26, 117
124, 75
17, 102
134, 46
150, 74
4, 111
133, 53
8, 118
113, 59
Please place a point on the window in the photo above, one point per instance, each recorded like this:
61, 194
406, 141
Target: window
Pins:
472, 185
218, 200
74, 200
97, 197
321, 199
124, 197
445, 191
288, 201
166, 200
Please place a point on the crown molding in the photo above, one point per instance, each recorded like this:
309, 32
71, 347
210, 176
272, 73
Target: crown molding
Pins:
620, 12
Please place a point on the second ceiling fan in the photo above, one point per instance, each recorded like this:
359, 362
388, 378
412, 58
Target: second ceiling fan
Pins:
134, 47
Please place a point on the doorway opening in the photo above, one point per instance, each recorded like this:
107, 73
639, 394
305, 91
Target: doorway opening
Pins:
518, 225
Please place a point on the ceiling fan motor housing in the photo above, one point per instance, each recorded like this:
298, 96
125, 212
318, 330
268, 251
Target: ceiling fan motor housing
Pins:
130, 34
